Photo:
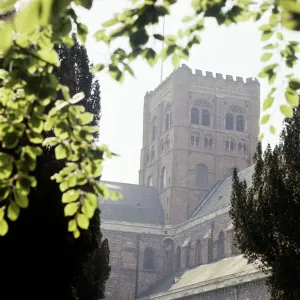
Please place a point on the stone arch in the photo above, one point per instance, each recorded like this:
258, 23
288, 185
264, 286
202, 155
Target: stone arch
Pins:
153, 129
195, 116
163, 178
230, 144
150, 181
168, 117
149, 255
235, 118
201, 175
208, 141
198, 254
205, 117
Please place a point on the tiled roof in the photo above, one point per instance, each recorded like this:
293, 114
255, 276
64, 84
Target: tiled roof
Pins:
140, 204
220, 197
235, 266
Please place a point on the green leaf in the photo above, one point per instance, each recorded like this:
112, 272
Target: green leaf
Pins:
261, 136
3, 227
272, 129
128, 69
61, 151
175, 60
11, 139
97, 68
291, 97
34, 137
71, 209
13, 211
92, 199
49, 56
294, 84
266, 56
82, 31
76, 234
265, 119
286, 110
6, 165
27, 19
70, 196
72, 226
1, 213
51, 141
7, 6
6, 37
88, 209
21, 200
268, 103
279, 36
86, 118
82, 221
36, 124
266, 35
270, 46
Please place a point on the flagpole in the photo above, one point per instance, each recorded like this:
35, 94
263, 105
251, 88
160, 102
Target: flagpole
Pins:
162, 46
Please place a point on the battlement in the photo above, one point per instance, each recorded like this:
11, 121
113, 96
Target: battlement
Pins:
206, 75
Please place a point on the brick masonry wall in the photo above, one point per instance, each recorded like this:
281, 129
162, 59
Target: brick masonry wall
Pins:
126, 247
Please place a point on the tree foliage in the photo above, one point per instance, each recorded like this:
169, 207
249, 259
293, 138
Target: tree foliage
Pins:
40, 254
266, 214
28, 40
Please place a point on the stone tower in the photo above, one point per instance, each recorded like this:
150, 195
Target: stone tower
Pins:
196, 128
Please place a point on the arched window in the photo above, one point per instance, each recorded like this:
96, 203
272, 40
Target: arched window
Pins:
150, 181
163, 178
229, 121
194, 116
227, 145
231, 146
240, 147
198, 253
197, 140
205, 117
167, 143
162, 146
178, 258
153, 136
244, 148
192, 140
201, 175
149, 259
208, 141
240, 124
167, 122
152, 153
221, 245
147, 156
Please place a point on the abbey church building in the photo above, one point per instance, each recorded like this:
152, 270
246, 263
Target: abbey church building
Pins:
170, 236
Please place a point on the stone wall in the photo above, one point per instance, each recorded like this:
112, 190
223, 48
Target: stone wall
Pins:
127, 253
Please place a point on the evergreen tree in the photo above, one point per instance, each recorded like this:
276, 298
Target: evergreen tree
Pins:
266, 214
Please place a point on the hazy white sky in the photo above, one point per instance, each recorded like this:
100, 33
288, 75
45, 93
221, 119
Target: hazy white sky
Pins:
235, 50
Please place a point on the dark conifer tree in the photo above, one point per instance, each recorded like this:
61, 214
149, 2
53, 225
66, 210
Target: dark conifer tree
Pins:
266, 215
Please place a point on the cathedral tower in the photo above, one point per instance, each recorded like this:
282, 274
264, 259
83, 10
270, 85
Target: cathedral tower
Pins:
196, 128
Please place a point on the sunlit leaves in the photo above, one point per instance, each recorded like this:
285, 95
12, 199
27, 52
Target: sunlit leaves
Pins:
291, 97
70, 209
266, 56
265, 119
6, 33
3, 227
286, 110
268, 103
